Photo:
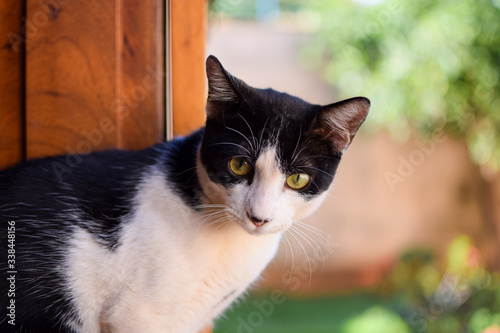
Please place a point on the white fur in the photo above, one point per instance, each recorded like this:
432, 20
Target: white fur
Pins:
177, 269
269, 198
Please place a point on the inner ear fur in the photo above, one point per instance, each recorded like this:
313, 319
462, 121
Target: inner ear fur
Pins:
340, 121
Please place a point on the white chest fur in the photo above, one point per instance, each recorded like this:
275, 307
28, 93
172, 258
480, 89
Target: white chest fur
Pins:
172, 273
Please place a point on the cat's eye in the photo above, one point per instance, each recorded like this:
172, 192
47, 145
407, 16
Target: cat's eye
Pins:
240, 166
297, 181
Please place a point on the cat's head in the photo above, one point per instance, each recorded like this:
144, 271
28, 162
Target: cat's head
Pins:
268, 156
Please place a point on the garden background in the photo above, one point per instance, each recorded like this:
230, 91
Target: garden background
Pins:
408, 240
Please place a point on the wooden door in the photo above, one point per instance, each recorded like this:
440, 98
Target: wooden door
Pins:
94, 75
83, 76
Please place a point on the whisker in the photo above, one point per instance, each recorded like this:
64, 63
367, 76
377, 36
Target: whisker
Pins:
311, 178
217, 210
313, 243
244, 156
222, 225
305, 252
210, 206
286, 235
315, 184
314, 168
283, 239
297, 144
262, 133
248, 125
183, 172
297, 155
208, 216
219, 220
195, 173
315, 156
232, 129
320, 233
233, 144
315, 246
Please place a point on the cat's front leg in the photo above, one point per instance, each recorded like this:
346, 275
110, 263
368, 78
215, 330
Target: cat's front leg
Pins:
136, 321
207, 329
150, 325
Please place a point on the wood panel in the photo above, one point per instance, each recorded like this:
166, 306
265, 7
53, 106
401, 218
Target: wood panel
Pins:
188, 20
143, 68
94, 75
187, 23
11, 83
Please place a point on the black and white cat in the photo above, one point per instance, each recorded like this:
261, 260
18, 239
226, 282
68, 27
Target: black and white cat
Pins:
164, 239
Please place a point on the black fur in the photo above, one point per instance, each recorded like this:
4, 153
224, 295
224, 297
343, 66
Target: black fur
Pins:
48, 198
258, 118
180, 165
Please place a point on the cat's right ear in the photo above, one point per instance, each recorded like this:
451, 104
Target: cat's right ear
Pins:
223, 89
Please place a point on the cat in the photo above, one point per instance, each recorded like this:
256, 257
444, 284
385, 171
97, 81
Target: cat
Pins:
164, 239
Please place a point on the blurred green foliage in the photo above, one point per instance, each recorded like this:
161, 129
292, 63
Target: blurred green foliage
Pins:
376, 319
423, 294
234, 9
427, 64
460, 296
246, 9
351, 313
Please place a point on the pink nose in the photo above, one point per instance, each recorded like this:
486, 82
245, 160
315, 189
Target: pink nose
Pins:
257, 220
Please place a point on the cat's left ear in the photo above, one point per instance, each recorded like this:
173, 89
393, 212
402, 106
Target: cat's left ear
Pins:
224, 90
340, 121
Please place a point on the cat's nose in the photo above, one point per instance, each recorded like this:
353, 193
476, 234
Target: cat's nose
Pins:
257, 220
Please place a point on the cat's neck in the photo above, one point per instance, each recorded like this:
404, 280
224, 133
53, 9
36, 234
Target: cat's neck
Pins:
180, 164
212, 193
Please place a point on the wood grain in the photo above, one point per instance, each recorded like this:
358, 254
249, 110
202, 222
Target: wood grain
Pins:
188, 29
143, 73
188, 19
11, 83
71, 73
91, 81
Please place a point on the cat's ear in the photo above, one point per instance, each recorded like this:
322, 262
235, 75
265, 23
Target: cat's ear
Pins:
340, 121
224, 90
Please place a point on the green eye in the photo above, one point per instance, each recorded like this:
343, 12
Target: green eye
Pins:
297, 181
240, 166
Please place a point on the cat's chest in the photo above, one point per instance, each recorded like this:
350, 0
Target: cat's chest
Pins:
222, 258
233, 253
233, 259
208, 260
202, 270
